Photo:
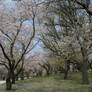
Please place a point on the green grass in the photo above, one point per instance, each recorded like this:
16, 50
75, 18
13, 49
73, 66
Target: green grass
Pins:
53, 83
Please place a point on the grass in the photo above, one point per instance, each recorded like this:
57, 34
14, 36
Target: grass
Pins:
53, 83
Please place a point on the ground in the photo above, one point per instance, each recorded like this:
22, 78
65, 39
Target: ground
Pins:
53, 83
2, 82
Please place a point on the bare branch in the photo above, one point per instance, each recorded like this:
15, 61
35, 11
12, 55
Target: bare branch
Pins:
9, 38
32, 47
31, 38
5, 55
12, 44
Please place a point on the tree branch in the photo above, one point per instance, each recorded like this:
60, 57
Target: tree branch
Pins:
9, 38
31, 38
5, 55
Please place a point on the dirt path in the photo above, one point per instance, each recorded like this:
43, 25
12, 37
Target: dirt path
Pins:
2, 82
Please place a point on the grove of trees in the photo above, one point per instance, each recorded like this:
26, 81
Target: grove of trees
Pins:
62, 27
68, 32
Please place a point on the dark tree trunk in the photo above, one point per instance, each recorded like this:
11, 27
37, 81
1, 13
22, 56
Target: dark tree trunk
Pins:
8, 82
84, 73
48, 72
84, 66
67, 67
27, 75
16, 78
22, 78
39, 73
22, 74
66, 74
13, 78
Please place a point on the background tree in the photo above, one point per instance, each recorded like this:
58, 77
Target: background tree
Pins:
65, 21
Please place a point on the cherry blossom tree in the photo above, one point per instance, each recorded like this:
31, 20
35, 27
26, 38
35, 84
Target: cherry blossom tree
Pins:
66, 26
17, 30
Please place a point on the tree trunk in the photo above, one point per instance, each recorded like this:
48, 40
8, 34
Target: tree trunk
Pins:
48, 72
67, 67
66, 75
13, 78
16, 78
22, 74
8, 82
84, 66
84, 73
